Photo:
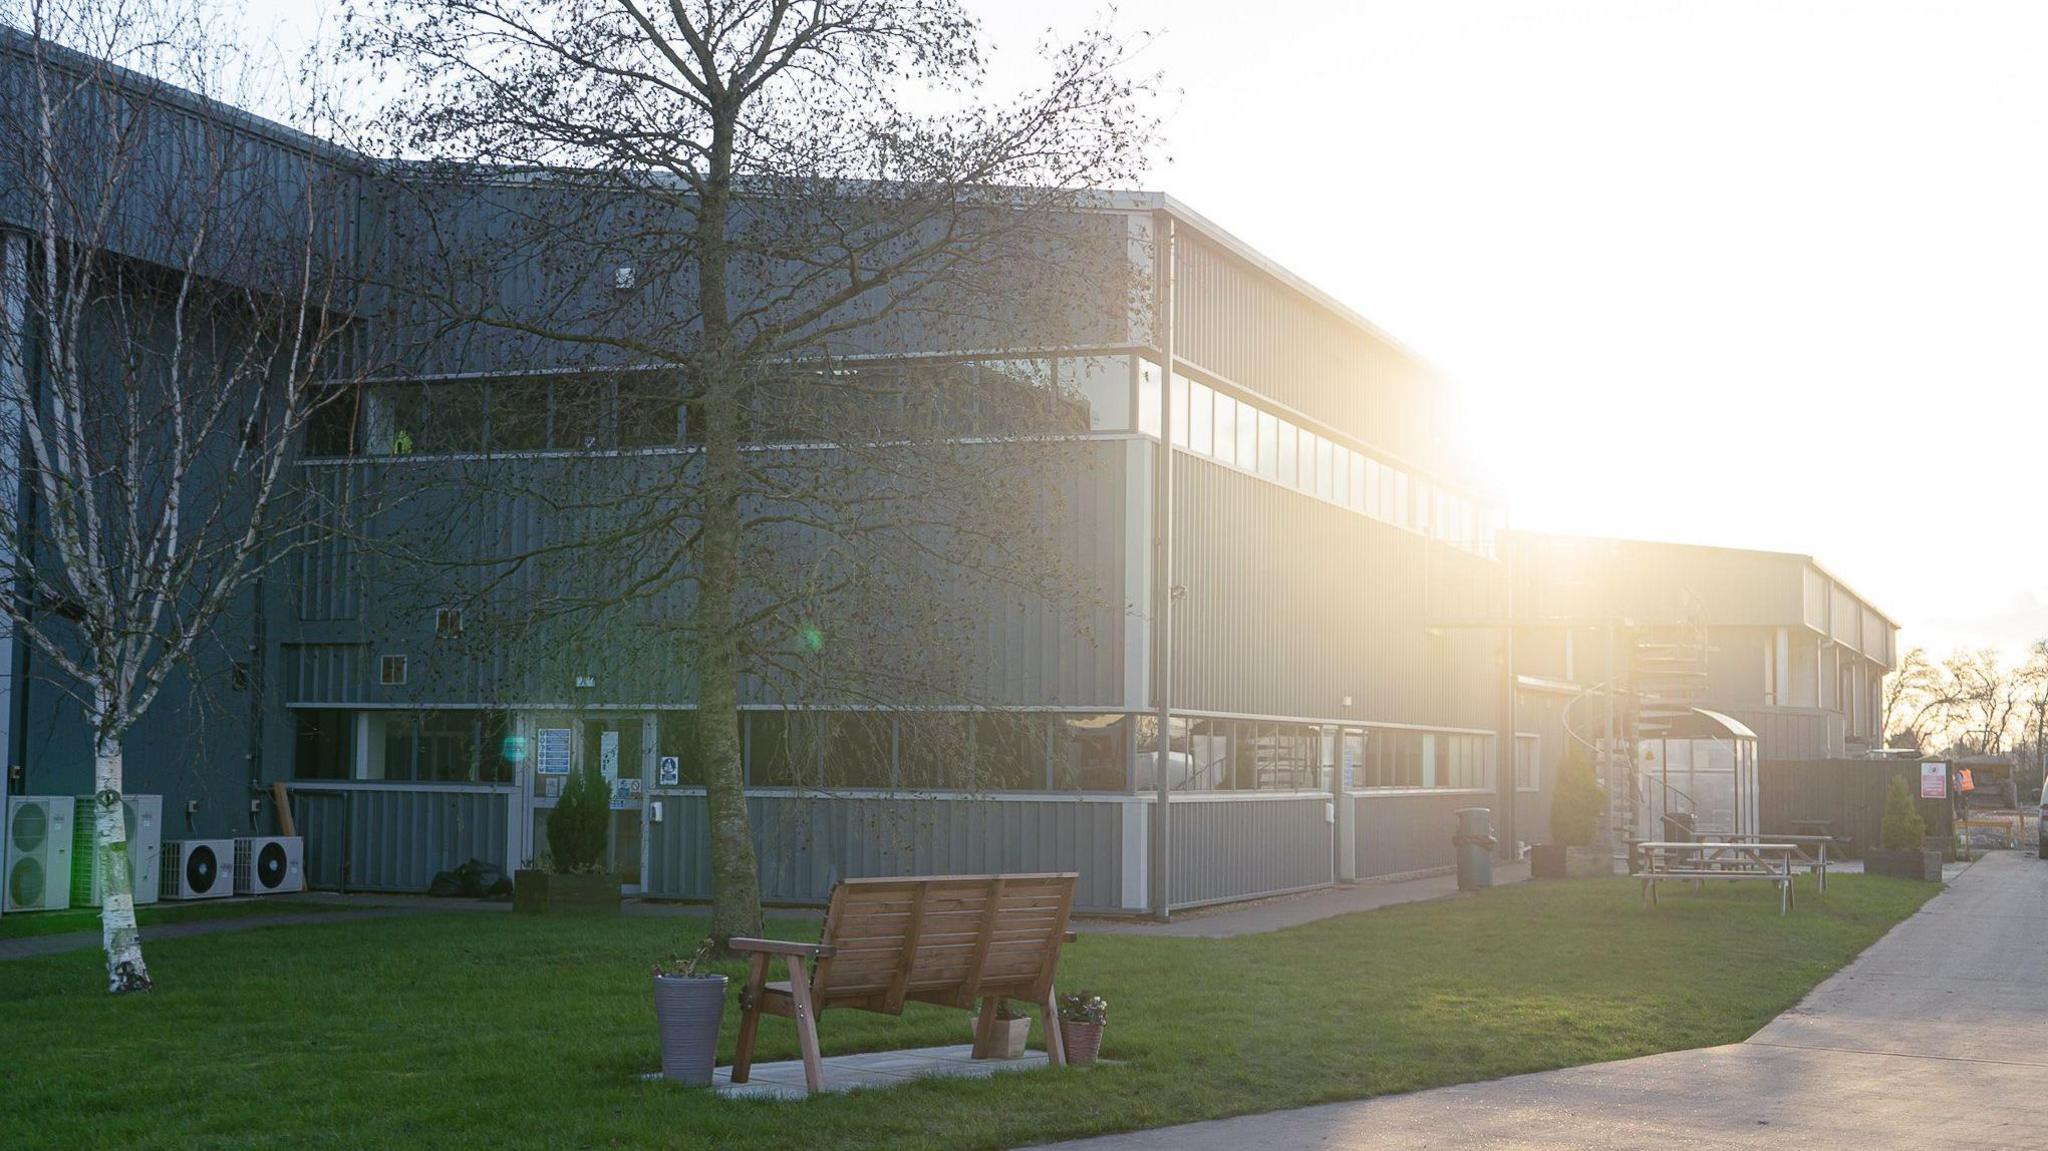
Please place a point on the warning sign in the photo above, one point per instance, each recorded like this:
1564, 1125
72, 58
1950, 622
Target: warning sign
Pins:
1934, 781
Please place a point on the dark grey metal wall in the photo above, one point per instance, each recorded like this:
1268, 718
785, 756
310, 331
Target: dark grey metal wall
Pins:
1225, 849
1398, 834
397, 839
805, 842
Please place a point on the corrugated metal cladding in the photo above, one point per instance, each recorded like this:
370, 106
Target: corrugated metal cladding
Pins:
932, 636
1239, 323
498, 277
805, 844
1291, 604
398, 840
184, 164
1242, 848
1789, 733
1654, 583
327, 579
1403, 833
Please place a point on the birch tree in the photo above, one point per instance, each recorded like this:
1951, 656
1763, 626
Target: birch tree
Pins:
764, 186
171, 316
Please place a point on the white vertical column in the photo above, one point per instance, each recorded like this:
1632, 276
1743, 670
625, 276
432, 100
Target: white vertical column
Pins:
1783, 680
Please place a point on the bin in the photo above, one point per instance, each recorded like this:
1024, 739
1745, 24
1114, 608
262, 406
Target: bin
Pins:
1474, 842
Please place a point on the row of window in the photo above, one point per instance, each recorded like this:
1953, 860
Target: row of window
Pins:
631, 410
1242, 435
936, 751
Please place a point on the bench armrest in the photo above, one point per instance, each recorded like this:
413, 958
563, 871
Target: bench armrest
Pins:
782, 947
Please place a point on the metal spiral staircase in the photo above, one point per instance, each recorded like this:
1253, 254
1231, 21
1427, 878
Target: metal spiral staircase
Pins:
1664, 677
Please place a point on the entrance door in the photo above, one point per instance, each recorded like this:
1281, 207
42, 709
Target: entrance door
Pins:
616, 745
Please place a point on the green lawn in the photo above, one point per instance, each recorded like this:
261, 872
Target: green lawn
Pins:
503, 1031
88, 918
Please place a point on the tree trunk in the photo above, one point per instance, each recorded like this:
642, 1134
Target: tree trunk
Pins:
118, 935
735, 876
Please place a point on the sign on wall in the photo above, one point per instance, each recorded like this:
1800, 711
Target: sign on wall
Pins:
671, 772
628, 794
551, 751
1934, 781
608, 755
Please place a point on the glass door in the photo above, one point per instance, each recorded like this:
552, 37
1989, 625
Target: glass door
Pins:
616, 745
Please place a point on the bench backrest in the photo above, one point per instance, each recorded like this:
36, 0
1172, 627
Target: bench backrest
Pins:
943, 939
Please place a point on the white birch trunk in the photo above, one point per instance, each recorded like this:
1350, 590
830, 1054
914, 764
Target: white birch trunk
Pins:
119, 936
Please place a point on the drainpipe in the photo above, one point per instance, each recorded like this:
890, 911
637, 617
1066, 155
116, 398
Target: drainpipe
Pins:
1162, 577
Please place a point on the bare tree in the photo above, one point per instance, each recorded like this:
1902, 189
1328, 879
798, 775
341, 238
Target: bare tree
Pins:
1914, 697
746, 201
170, 311
1980, 702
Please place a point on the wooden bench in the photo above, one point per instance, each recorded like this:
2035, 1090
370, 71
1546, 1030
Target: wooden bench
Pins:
1700, 860
949, 939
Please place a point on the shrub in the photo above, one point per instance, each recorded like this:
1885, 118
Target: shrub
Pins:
1904, 829
1578, 803
578, 826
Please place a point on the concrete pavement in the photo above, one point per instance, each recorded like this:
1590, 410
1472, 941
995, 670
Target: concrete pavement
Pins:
1935, 1036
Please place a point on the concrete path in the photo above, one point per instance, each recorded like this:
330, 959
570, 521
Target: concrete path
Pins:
1293, 910
1937, 1036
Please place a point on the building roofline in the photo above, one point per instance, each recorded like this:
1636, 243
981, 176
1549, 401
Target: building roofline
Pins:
1800, 557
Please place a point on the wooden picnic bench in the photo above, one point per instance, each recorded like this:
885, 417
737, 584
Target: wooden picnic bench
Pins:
1697, 861
949, 939
1811, 853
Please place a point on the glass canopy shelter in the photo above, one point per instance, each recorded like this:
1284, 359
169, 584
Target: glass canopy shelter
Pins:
1703, 766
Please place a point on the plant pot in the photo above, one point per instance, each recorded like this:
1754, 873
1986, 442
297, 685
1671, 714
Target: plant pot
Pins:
687, 1011
545, 893
1556, 861
1921, 865
1585, 862
1082, 1041
1004, 1040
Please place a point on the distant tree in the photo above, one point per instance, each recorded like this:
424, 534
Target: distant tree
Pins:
1914, 699
178, 317
1980, 702
782, 176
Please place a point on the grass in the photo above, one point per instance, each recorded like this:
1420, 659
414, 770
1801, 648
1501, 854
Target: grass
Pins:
511, 1032
88, 918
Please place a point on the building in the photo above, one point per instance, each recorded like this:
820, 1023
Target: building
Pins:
1349, 657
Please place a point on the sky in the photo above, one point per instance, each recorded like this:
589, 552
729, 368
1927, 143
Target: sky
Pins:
1767, 275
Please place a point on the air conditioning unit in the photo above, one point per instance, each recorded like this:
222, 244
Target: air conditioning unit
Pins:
38, 863
145, 849
198, 869
268, 864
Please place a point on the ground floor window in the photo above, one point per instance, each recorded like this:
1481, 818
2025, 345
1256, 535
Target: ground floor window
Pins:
442, 746
1408, 758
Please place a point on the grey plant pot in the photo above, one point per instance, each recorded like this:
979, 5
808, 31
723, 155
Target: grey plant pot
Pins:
687, 1011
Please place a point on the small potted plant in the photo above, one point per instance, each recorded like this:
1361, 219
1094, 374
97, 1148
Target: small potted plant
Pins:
689, 1003
1903, 838
570, 875
1082, 1016
1006, 1035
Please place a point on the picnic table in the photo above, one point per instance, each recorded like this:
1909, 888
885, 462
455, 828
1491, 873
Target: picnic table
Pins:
1812, 853
1699, 860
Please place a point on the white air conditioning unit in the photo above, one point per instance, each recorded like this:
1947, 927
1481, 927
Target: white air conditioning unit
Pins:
268, 864
145, 849
38, 863
199, 869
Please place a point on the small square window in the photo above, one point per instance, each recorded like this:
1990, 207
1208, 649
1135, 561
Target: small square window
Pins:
447, 623
391, 671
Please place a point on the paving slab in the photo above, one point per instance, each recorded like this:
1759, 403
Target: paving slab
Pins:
1931, 1038
785, 1080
